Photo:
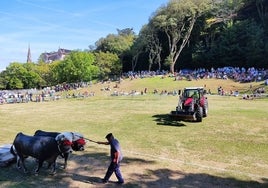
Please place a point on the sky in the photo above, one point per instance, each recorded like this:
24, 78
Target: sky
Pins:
47, 25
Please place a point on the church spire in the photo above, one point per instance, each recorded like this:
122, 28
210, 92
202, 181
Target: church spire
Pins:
29, 57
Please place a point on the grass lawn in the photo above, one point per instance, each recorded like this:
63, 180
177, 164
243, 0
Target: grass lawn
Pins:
229, 148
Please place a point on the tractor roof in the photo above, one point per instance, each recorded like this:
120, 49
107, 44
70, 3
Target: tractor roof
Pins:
193, 88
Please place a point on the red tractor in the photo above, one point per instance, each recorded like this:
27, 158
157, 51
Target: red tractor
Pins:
193, 105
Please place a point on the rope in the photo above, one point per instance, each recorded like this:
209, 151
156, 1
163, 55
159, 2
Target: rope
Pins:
90, 140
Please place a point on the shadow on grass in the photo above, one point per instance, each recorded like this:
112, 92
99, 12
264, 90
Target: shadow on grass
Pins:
169, 178
164, 119
88, 165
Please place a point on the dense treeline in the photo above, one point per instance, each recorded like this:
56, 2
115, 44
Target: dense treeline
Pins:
208, 34
180, 34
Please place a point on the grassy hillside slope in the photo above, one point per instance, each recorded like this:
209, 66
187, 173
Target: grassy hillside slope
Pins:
228, 149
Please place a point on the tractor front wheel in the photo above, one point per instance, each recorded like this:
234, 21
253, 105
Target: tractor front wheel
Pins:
205, 109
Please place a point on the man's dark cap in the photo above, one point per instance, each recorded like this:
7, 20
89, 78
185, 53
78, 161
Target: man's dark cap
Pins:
108, 135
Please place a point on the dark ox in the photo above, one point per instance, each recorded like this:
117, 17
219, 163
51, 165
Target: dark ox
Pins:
78, 141
42, 148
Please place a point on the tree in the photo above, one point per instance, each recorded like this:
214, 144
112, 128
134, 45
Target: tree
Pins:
55, 72
233, 35
240, 45
32, 77
116, 43
212, 24
126, 32
150, 44
3, 81
262, 11
47, 73
154, 48
76, 67
20, 76
108, 64
138, 47
177, 20
15, 74
119, 44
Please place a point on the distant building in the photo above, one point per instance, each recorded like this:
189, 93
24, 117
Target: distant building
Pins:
54, 56
29, 56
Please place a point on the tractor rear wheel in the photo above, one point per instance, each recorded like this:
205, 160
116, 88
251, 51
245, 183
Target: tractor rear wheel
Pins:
199, 114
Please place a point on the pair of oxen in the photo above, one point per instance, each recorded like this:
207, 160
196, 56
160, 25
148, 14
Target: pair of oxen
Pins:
46, 146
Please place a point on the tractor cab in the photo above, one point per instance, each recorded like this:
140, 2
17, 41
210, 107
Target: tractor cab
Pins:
192, 105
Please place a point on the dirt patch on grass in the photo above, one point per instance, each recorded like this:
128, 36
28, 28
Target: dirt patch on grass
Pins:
87, 168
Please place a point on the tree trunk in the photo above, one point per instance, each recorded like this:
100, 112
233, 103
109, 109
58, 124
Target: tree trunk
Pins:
135, 61
174, 53
172, 65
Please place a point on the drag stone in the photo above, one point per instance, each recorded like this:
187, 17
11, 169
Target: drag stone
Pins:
6, 157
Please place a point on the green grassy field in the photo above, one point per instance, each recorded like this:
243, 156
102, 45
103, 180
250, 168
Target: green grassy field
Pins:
231, 143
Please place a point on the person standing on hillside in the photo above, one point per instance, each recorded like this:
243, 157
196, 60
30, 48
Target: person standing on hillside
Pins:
116, 157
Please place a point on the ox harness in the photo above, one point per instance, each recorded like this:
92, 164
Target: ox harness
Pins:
64, 143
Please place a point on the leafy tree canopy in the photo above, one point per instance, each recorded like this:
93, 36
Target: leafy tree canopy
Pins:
77, 67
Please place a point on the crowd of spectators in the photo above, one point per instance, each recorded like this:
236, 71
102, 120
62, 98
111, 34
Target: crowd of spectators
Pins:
237, 74
27, 95
45, 94
143, 74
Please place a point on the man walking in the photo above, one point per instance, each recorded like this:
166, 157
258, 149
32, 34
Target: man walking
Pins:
116, 157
